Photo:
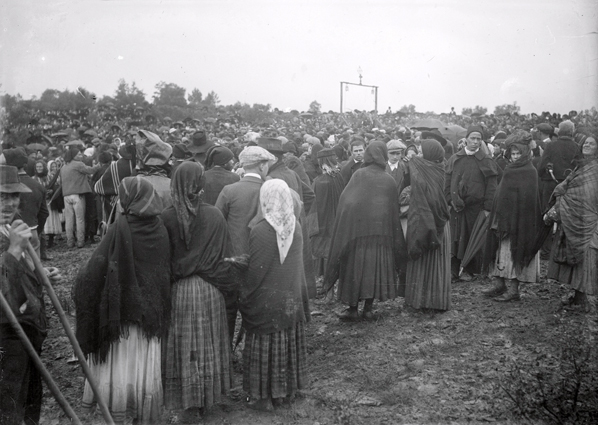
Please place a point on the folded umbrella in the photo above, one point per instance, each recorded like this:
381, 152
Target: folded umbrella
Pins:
477, 239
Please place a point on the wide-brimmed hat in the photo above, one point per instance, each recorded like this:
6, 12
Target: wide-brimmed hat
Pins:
435, 135
199, 142
9, 180
271, 144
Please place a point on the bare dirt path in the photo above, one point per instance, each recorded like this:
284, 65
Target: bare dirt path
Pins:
407, 367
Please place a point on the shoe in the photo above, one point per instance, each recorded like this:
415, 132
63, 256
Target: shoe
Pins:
262, 405
370, 315
80, 244
350, 315
498, 288
512, 293
46, 258
465, 277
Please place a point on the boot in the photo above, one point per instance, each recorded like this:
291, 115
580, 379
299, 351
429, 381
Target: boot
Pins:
498, 287
50, 241
368, 313
512, 293
350, 315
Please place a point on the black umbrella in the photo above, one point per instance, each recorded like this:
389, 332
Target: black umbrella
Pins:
477, 239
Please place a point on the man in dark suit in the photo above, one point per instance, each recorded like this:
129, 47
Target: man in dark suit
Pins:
395, 166
238, 203
219, 162
356, 161
33, 209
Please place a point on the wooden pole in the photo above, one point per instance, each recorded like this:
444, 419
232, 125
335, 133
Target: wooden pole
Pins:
66, 407
41, 273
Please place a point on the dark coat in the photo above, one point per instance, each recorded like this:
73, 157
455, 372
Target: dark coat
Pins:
32, 207
560, 154
349, 169
215, 180
238, 203
398, 174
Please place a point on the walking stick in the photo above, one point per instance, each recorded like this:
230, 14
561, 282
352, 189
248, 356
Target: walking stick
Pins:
41, 273
66, 407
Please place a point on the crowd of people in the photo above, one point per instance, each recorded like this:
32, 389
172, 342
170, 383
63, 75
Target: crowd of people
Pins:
197, 225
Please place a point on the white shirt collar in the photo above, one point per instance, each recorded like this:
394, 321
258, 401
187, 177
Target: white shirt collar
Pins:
393, 166
256, 175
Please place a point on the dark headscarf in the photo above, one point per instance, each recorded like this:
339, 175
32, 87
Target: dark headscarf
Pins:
432, 150
126, 280
521, 139
428, 209
185, 186
376, 153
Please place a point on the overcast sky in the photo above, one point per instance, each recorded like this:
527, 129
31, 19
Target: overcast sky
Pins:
433, 54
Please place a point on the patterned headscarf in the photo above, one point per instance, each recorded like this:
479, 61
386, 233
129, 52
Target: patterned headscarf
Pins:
138, 197
277, 206
185, 188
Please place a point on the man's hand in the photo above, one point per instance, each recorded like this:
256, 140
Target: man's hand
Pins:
54, 275
486, 213
19, 235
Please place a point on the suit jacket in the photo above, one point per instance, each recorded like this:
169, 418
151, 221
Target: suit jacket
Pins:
398, 174
349, 168
32, 207
215, 179
238, 203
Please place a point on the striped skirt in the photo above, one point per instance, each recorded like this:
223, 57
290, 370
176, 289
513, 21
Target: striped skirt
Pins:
129, 379
274, 365
198, 358
429, 278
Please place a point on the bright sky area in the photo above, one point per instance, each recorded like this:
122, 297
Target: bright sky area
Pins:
434, 54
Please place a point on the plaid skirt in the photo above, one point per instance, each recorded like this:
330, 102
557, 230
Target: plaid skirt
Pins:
198, 358
274, 365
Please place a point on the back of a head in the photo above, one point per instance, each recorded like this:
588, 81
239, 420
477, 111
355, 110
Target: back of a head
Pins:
566, 128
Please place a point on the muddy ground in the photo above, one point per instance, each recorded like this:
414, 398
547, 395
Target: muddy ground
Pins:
407, 367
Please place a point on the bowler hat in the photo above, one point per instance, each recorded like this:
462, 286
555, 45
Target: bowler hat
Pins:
9, 180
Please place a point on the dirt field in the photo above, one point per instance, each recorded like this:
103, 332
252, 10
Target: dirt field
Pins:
407, 367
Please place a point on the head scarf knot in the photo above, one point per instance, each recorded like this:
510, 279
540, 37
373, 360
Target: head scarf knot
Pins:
185, 188
277, 206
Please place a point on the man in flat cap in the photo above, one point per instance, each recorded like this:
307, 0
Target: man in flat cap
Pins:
471, 181
395, 166
219, 163
238, 203
546, 133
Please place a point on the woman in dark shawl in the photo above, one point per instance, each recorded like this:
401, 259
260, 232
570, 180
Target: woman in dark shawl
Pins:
510, 255
122, 296
273, 302
574, 255
198, 358
367, 237
428, 282
328, 188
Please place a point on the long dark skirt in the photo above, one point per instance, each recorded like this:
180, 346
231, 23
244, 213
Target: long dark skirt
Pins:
368, 271
274, 365
429, 278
